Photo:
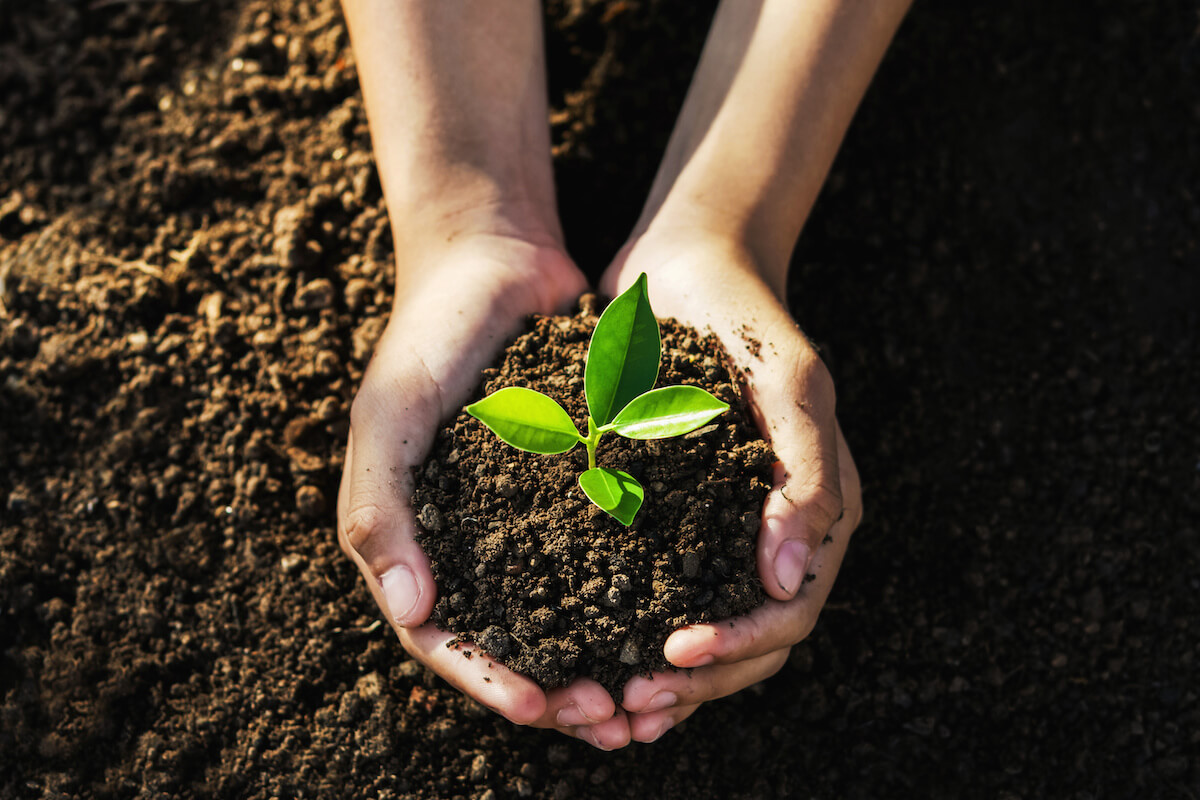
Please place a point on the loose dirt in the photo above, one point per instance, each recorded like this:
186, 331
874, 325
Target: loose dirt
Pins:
548, 583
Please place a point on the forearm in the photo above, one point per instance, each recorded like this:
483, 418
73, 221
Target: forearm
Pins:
456, 99
777, 85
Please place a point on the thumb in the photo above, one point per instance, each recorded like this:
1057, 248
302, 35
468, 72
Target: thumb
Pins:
376, 524
797, 415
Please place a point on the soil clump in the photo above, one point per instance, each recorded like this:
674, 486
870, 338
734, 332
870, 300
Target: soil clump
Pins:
549, 584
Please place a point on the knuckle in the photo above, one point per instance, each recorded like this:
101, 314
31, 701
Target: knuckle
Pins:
805, 625
819, 389
363, 408
821, 502
361, 528
856, 515
751, 634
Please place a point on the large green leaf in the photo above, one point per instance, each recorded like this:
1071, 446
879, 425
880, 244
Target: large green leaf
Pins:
615, 491
527, 420
622, 360
670, 411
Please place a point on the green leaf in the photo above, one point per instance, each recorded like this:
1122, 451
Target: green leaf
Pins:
622, 359
527, 420
670, 411
615, 491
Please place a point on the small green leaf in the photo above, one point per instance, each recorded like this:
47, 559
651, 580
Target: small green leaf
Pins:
615, 491
527, 420
670, 411
622, 359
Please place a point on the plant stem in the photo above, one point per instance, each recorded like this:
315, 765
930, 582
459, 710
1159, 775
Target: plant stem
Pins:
593, 439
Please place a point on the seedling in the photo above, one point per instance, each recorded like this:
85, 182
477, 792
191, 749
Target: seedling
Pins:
618, 384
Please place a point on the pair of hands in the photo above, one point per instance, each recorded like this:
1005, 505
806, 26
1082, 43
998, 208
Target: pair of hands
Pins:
473, 294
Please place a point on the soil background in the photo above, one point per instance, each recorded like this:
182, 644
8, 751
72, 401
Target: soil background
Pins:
1003, 273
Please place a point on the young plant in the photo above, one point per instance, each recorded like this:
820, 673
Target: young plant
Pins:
618, 384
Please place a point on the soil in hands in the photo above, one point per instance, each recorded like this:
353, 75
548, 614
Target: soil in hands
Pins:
530, 571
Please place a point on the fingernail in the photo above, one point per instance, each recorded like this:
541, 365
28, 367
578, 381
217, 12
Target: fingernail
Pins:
571, 715
586, 735
401, 591
790, 563
660, 701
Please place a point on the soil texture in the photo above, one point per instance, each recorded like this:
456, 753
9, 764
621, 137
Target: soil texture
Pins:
530, 570
1003, 273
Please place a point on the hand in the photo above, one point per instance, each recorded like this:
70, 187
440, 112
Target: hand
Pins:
815, 504
457, 304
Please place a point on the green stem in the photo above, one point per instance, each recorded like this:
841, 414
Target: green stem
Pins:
593, 439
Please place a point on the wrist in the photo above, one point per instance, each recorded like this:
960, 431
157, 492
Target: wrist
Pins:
521, 270
692, 233
442, 202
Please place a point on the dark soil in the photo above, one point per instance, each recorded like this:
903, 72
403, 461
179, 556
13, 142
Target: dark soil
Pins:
549, 584
1004, 276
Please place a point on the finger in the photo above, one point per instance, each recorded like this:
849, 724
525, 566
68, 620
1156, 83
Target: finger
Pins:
774, 624
651, 726
797, 414
689, 687
474, 673
609, 735
583, 702
376, 525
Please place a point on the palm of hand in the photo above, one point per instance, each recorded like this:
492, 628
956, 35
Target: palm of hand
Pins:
815, 504
448, 328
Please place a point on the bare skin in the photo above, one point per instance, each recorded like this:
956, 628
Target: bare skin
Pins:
463, 150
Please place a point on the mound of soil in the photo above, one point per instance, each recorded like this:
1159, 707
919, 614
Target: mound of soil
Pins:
545, 581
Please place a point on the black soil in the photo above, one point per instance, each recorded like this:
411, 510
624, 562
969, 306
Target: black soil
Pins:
1004, 276
549, 584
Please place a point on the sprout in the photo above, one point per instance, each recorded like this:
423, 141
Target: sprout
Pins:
618, 383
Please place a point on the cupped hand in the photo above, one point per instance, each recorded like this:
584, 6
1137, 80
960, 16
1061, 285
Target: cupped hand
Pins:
815, 503
457, 303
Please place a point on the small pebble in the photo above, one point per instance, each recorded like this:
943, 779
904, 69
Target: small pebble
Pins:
431, 518
369, 686
315, 295
292, 563
630, 654
696, 434
328, 409
505, 486
359, 294
691, 564
310, 501
495, 641
409, 669
479, 768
